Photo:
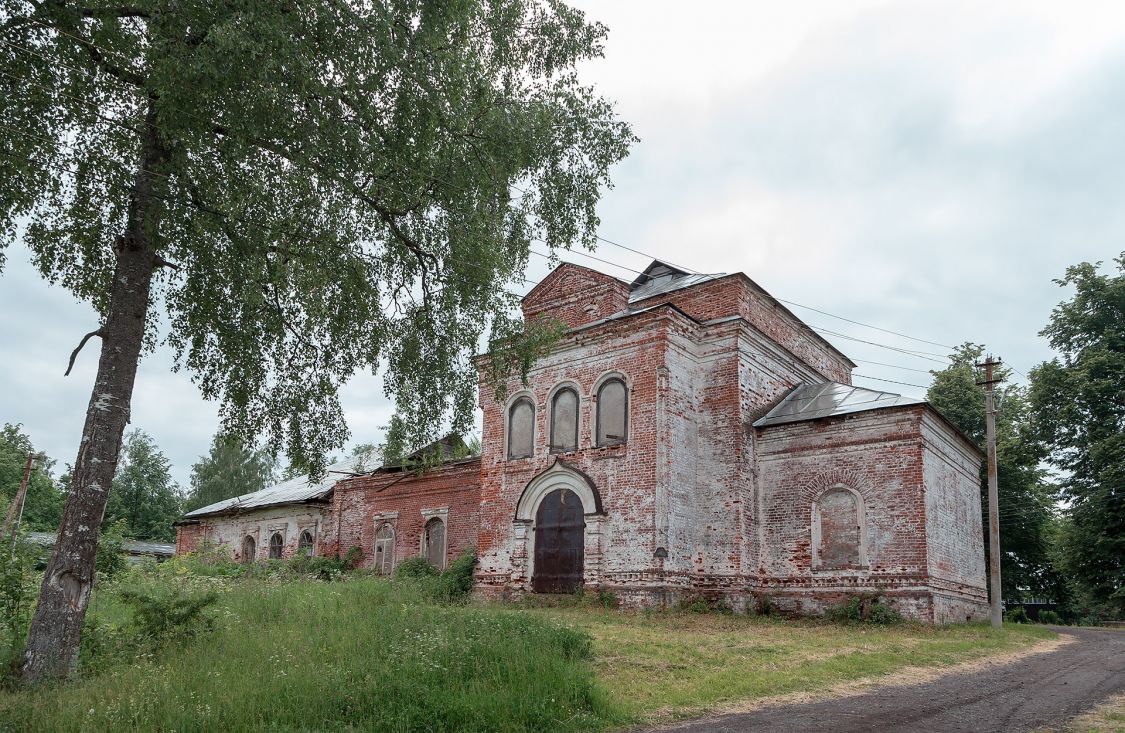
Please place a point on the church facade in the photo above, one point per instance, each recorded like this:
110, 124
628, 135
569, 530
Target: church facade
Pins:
688, 437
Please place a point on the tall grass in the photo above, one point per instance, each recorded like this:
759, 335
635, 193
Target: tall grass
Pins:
354, 655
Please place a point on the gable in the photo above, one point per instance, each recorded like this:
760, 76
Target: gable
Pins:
576, 295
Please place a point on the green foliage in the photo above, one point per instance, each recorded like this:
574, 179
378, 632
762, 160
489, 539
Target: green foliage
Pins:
168, 616
229, 469
18, 586
1047, 616
143, 495
415, 567
869, 608
109, 558
1078, 399
353, 557
336, 192
42, 510
1026, 497
299, 656
1017, 615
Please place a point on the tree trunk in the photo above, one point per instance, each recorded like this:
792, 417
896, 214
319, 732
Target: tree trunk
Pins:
56, 628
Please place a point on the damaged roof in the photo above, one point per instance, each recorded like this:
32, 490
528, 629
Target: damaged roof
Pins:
659, 278
294, 491
829, 399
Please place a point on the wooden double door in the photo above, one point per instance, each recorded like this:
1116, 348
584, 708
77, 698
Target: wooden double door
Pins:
559, 538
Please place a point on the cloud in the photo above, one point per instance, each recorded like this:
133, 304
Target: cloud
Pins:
926, 167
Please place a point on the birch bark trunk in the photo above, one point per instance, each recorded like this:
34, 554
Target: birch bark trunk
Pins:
56, 628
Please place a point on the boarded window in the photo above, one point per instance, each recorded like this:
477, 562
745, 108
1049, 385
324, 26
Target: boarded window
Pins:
385, 550
613, 408
838, 514
276, 543
564, 421
434, 550
305, 542
249, 549
521, 428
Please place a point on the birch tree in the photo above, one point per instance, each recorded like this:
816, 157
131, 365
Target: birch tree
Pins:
298, 192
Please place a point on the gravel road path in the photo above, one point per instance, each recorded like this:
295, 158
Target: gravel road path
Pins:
1038, 692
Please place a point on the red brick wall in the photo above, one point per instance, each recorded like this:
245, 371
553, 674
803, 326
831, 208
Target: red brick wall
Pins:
359, 501
188, 537
576, 295
737, 295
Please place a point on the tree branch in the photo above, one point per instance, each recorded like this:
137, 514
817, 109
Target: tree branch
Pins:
74, 354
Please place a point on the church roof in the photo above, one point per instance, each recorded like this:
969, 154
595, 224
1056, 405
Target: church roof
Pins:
829, 399
660, 277
294, 491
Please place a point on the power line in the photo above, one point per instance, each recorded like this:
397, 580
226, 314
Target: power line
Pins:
892, 381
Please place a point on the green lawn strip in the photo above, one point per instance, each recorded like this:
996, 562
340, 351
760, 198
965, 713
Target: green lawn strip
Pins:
676, 665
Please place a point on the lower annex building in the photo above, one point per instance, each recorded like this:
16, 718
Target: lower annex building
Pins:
688, 436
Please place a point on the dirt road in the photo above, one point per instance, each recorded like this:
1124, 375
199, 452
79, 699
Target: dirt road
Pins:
1038, 692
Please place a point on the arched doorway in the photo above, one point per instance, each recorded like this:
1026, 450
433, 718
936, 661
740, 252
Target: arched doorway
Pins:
559, 526
249, 549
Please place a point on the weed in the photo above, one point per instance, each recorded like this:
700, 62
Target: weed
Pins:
1017, 614
864, 608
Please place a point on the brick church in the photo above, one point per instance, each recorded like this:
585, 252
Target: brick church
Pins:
689, 436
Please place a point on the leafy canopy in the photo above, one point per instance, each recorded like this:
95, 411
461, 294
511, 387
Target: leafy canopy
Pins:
229, 469
1079, 403
42, 509
143, 495
1026, 497
349, 186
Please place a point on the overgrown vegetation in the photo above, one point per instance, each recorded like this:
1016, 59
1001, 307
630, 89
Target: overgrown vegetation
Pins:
202, 643
868, 608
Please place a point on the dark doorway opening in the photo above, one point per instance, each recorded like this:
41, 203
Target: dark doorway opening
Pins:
559, 526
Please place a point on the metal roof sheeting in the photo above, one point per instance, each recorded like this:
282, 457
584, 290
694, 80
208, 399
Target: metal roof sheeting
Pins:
668, 283
829, 399
293, 491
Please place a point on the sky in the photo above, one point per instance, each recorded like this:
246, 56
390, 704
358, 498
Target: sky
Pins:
926, 168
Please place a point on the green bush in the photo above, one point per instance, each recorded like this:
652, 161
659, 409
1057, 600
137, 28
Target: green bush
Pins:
109, 558
1018, 615
867, 608
415, 567
169, 616
1049, 617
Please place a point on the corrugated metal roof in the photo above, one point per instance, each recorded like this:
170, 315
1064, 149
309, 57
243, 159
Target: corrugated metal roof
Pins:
132, 547
829, 399
668, 283
293, 491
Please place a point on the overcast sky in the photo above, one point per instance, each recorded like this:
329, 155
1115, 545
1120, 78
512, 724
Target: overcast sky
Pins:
924, 167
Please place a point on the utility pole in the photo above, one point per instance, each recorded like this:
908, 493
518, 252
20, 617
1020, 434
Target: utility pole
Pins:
993, 492
15, 511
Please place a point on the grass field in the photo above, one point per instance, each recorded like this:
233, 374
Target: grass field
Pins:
657, 666
371, 655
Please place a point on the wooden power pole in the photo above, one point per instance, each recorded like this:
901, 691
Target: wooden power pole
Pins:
15, 511
993, 492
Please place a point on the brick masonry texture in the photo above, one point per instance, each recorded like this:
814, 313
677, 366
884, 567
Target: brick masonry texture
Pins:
696, 501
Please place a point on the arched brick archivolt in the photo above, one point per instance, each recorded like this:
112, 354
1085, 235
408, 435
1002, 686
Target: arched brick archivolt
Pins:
560, 475
837, 501
839, 530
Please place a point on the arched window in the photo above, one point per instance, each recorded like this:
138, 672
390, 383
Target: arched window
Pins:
434, 543
613, 409
564, 421
249, 549
305, 542
838, 541
276, 543
385, 549
521, 428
